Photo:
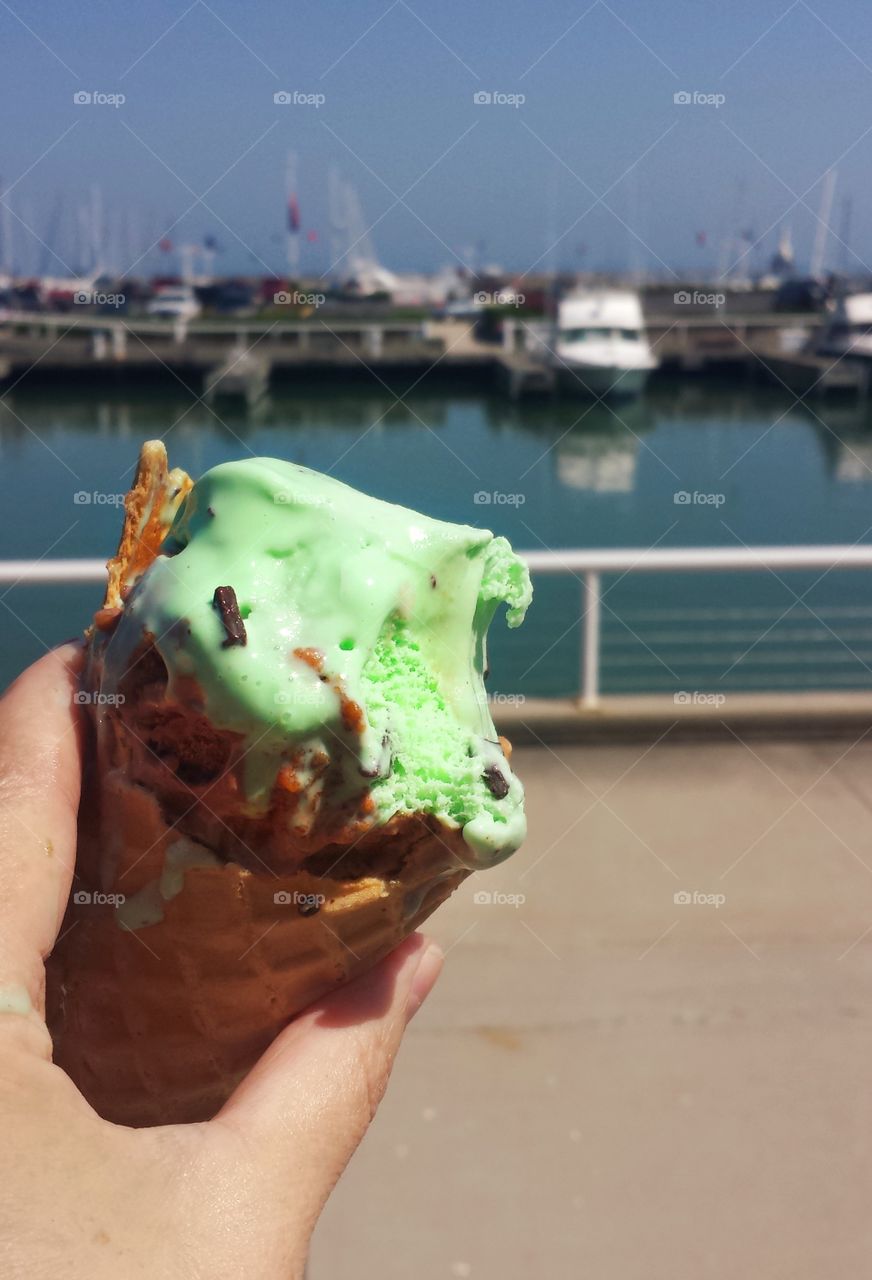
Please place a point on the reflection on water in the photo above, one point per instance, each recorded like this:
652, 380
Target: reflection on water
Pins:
601, 463
846, 440
554, 474
853, 462
123, 417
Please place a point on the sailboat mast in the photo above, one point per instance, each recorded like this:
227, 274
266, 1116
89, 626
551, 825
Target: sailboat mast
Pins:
6, 254
823, 227
845, 234
293, 216
96, 216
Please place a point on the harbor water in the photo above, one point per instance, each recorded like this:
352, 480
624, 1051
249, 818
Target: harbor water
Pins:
686, 465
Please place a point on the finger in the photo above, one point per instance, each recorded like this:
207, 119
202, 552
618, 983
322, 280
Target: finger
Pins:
40, 771
309, 1101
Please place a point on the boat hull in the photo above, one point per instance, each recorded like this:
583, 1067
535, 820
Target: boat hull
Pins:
601, 381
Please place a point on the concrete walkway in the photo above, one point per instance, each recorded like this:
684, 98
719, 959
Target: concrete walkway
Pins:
613, 1083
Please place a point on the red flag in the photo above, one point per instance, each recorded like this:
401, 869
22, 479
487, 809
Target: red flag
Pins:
293, 214
165, 245
311, 236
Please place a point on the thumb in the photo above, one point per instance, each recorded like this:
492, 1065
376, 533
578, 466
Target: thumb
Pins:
39, 796
308, 1102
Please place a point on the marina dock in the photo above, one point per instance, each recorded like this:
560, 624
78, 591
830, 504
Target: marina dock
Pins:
245, 356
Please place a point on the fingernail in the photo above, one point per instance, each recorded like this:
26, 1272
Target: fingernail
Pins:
428, 970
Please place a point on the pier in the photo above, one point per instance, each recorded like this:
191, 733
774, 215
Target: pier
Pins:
240, 357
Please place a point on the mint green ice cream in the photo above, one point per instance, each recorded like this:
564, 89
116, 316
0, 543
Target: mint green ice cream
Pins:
360, 634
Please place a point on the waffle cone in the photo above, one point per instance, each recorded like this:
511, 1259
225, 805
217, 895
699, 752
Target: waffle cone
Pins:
158, 1024
158, 1009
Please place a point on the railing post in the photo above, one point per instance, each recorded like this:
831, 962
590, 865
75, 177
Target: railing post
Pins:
590, 656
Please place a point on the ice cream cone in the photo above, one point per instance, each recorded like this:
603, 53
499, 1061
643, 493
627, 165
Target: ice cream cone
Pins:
195, 930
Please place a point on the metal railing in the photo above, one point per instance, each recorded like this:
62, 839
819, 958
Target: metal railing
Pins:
51, 324
589, 566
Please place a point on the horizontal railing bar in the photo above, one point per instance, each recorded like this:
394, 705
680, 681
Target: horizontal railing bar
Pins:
605, 560
236, 324
86, 322
698, 559
27, 572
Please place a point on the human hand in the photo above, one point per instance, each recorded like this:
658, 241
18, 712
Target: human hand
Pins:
235, 1197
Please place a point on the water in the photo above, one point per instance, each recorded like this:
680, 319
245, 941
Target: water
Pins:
554, 475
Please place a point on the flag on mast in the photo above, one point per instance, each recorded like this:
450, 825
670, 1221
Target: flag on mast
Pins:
293, 213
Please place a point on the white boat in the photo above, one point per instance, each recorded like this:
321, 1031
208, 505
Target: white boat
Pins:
599, 346
848, 329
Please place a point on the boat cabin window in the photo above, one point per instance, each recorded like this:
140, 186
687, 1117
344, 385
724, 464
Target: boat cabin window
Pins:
592, 335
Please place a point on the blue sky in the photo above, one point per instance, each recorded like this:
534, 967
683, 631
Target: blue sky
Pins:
598, 167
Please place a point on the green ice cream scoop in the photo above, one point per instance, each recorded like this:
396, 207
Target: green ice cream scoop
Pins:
318, 621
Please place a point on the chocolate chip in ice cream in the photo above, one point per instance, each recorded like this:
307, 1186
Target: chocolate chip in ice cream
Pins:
495, 782
225, 602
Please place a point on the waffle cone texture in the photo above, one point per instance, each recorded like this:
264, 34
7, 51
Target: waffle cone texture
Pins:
159, 1024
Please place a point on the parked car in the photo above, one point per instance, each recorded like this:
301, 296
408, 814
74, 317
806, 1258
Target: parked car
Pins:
175, 302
